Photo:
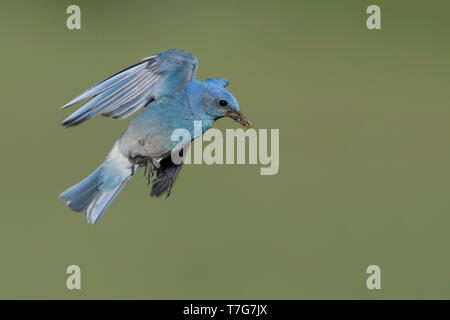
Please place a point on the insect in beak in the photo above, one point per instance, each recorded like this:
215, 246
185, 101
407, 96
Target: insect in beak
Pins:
239, 117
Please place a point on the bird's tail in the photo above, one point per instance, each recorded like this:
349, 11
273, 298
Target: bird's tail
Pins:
95, 193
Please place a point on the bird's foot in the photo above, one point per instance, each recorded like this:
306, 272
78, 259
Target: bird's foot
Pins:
165, 177
147, 163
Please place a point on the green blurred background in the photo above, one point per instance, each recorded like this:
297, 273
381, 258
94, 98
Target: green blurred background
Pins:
364, 154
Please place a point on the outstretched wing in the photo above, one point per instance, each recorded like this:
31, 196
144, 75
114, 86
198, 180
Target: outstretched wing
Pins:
130, 89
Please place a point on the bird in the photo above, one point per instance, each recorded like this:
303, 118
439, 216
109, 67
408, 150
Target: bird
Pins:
164, 88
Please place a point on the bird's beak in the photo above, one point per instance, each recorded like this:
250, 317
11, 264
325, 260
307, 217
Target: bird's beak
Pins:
239, 117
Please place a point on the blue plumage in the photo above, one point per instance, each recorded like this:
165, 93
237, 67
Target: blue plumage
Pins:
165, 85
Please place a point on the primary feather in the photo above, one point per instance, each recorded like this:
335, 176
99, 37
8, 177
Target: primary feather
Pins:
128, 90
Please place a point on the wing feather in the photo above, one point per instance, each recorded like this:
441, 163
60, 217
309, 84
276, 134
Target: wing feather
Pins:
128, 90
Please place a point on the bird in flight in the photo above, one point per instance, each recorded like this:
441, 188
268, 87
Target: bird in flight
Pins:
165, 88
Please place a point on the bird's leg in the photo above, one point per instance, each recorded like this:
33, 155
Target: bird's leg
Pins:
168, 177
145, 171
150, 167
147, 163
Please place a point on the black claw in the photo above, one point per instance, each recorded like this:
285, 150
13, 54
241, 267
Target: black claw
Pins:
145, 171
150, 167
147, 163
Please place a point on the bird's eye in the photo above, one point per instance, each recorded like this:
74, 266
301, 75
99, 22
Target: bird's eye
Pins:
223, 103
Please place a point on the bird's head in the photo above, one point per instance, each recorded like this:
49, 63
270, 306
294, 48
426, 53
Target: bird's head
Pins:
219, 102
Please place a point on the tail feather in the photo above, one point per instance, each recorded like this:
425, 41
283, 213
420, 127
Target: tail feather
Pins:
100, 203
81, 202
82, 187
95, 193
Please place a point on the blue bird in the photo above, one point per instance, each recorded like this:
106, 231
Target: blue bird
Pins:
165, 88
